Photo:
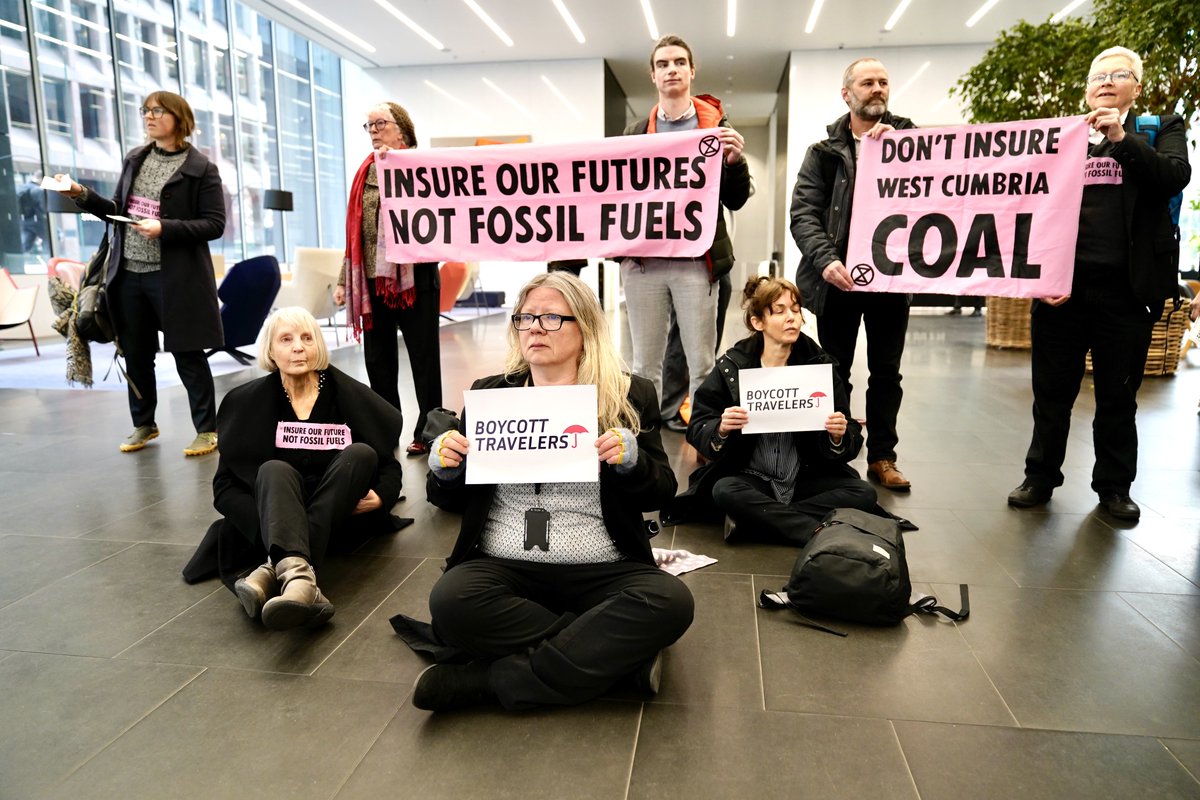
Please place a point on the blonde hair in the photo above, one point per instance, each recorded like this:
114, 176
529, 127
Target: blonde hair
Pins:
295, 317
1135, 61
599, 363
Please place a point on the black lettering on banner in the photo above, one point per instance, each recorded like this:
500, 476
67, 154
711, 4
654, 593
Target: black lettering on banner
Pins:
916, 245
983, 228
424, 225
879, 242
1021, 267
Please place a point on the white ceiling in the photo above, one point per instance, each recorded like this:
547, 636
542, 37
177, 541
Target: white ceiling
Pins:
744, 71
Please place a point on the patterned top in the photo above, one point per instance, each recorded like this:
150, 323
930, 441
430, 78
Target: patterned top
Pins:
370, 223
775, 460
575, 533
141, 254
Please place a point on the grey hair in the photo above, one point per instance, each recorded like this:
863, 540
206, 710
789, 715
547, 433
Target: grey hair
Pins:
295, 317
1135, 61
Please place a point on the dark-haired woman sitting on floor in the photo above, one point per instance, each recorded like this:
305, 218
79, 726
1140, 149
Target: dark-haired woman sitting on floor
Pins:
775, 486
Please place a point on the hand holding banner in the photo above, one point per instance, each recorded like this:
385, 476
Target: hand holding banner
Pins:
783, 399
972, 210
533, 434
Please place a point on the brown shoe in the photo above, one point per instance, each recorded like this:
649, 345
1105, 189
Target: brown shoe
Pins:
888, 476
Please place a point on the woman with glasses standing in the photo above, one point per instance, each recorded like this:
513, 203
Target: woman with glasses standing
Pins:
558, 620
381, 296
1126, 266
160, 273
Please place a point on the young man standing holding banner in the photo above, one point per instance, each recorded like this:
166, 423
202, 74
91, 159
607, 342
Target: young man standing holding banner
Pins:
821, 227
1124, 273
655, 286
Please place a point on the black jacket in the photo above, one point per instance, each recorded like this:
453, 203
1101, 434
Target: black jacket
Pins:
192, 214
623, 497
721, 390
735, 191
821, 203
1153, 175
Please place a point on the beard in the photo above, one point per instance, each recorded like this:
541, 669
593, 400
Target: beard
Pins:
871, 110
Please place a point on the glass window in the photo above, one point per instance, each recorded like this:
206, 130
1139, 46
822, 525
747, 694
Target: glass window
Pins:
24, 223
295, 138
154, 65
331, 169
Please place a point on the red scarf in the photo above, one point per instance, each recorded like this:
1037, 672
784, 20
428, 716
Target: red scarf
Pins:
393, 282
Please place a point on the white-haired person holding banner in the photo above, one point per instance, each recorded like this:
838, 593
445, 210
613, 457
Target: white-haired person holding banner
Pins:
771, 486
563, 624
1126, 267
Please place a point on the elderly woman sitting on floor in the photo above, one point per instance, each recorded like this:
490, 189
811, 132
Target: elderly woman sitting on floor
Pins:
307, 462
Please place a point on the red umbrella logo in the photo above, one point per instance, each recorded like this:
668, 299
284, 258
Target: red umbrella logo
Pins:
818, 394
576, 430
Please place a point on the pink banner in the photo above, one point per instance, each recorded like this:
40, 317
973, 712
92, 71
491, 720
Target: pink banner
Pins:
312, 436
973, 210
651, 195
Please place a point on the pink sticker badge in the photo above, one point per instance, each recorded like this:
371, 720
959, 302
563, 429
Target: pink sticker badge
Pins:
143, 206
1102, 171
311, 436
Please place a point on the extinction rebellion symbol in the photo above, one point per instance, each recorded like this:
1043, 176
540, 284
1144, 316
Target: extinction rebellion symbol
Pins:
862, 274
710, 146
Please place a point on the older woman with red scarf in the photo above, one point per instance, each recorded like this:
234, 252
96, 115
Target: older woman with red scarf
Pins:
382, 297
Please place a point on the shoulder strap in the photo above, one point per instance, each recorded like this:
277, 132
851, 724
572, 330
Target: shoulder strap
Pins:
1149, 125
773, 601
928, 604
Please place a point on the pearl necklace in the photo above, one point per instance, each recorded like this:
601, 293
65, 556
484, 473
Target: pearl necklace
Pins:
320, 385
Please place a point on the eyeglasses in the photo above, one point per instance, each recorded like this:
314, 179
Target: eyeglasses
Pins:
377, 125
549, 322
1120, 76
155, 112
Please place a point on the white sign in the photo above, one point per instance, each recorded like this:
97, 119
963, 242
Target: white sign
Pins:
534, 434
49, 184
783, 399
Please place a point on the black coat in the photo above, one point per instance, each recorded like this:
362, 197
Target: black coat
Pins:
192, 214
623, 497
721, 390
821, 201
1153, 175
247, 421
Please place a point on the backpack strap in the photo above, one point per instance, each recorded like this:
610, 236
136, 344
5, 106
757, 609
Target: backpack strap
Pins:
928, 604
773, 601
1149, 125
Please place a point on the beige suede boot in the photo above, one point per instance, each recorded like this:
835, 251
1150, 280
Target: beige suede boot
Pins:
257, 588
300, 602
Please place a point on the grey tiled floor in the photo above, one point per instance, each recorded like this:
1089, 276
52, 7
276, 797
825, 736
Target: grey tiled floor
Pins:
1077, 674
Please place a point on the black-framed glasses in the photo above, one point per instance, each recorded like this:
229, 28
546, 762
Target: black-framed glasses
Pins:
549, 322
377, 125
155, 112
1120, 76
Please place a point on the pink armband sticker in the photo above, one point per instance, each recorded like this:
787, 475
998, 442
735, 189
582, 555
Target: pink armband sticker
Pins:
1102, 171
311, 436
143, 206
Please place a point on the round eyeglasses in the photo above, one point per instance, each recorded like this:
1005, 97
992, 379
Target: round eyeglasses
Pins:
155, 112
549, 322
377, 125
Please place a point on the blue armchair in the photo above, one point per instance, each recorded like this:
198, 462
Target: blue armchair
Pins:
246, 293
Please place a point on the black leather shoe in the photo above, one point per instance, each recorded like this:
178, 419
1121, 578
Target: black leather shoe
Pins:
1120, 506
1028, 496
676, 424
445, 687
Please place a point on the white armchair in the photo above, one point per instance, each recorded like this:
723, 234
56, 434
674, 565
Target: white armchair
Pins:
16, 306
315, 273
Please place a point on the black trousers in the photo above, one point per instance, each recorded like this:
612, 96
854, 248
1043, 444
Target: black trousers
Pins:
296, 518
886, 319
675, 375
1108, 322
558, 634
419, 326
139, 319
749, 501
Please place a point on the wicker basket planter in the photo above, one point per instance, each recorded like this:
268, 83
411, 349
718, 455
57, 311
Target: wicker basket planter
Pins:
1008, 322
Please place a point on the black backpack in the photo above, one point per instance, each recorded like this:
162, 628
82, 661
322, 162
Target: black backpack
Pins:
854, 568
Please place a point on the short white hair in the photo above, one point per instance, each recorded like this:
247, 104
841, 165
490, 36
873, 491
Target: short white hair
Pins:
294, 317
1135, 61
